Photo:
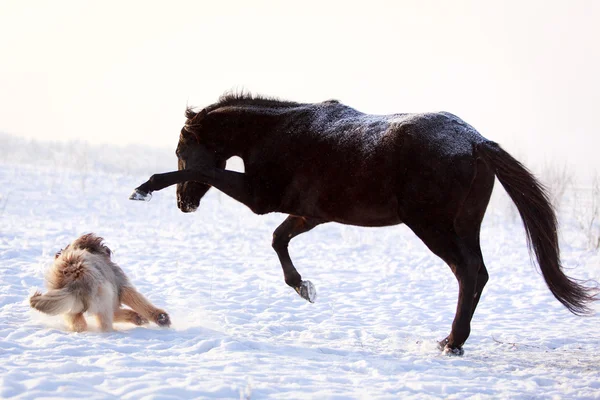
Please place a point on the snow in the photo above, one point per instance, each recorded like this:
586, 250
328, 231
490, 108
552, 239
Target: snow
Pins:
239, 332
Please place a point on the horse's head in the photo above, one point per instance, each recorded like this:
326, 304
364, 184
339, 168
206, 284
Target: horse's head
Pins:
195, 151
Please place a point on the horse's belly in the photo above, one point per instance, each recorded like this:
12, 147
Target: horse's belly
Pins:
372, 220
360, 214
361, 209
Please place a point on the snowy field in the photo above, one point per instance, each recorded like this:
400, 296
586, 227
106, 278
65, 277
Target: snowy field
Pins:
239, 332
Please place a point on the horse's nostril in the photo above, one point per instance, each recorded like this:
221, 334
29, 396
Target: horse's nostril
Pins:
186, 206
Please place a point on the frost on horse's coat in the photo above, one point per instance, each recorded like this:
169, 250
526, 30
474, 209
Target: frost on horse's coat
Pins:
327, 162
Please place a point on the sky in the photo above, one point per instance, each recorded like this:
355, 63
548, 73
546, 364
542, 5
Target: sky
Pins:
524, 73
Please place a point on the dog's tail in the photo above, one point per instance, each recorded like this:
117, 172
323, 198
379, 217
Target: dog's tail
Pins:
69, 281
53, 302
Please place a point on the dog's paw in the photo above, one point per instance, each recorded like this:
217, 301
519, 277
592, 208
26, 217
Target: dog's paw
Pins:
162, 319
139, 320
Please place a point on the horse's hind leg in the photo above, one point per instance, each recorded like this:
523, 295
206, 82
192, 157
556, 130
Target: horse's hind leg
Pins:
293, 226
467, 272
482, 279
466, 263
468, 222
466, 259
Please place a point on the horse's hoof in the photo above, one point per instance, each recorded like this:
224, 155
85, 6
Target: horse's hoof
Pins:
442, 344
307, 291
449, 351
140, 195
163, 320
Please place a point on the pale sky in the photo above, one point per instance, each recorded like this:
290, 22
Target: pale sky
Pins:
524, 73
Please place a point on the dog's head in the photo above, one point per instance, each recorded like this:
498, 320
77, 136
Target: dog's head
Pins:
92, 243
70, 262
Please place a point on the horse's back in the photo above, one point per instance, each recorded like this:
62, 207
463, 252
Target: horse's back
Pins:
440, 132
366, 169
395, 143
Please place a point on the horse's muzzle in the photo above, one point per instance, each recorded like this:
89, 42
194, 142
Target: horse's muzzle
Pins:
187, 206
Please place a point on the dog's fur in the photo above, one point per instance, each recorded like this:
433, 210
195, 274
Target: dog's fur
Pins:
84, 278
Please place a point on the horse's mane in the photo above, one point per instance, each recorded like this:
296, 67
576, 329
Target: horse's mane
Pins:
246, 98
243, 99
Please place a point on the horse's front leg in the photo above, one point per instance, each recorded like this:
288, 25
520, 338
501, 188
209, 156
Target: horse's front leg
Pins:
161, 181
234, 184
291, 227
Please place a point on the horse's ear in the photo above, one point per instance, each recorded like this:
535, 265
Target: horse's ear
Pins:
201, 115
195, 117
189, 113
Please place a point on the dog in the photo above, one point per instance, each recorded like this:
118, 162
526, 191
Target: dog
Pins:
83, 278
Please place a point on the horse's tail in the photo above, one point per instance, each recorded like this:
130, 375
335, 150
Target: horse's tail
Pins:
539, 219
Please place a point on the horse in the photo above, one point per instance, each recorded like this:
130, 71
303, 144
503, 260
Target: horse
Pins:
327, 162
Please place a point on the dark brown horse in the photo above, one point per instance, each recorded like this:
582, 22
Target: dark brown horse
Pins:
327, 162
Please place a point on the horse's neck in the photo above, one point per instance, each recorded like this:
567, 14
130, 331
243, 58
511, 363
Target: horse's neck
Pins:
246, 127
